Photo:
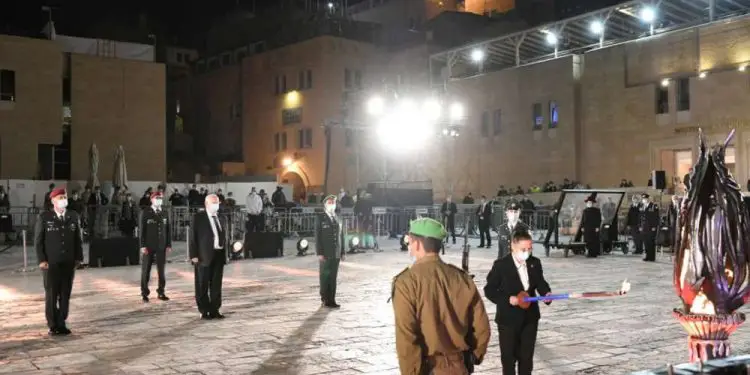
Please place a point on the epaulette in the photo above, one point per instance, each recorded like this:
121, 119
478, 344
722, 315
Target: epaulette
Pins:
393, 283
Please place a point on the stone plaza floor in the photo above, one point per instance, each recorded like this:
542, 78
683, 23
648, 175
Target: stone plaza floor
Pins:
275, 325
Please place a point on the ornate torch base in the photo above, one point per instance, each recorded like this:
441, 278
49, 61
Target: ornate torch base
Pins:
709, 334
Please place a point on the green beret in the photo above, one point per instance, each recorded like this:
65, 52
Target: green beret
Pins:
426, 227
330, 197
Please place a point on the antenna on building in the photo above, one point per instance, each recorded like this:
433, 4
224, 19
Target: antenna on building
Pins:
49, 28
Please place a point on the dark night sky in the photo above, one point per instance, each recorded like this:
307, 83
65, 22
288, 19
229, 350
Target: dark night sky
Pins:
176, 19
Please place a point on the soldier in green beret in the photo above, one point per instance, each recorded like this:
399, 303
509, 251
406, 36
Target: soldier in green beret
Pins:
329, 244
423, 295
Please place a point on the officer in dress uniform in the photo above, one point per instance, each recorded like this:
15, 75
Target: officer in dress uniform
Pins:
505, 231
648, 223
329, 244
156, 243
591, 223
58, 244
423, 295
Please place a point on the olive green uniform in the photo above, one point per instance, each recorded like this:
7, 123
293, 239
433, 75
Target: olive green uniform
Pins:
329, 242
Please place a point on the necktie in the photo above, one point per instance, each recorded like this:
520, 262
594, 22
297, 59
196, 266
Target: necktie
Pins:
218, 230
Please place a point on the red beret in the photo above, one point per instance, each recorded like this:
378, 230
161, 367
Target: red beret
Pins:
57, 192
156, 194
590, 199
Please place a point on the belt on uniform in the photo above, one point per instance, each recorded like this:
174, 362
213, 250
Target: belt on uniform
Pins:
437, 359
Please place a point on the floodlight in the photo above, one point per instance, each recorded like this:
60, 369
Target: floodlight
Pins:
597, 27
302, 246
551, 38
665, 82
456, 111
648, 14
330, 5
237, 246
742, 68
477, 55
353, 243
287, 162
702, 75
375, 106
404, 242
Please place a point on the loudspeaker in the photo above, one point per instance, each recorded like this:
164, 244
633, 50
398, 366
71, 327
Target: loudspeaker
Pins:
659, 180
264, 245
114, 252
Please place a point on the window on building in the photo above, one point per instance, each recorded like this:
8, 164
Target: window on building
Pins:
277, 85
277, 142
485, 125
301, 80
683, 94
730, 159
496, 122
348, 137
7, 85
554, 117
305, 138
538, 116
283, 84
347, 79
291, 116
358, 79
662, 99
308, 78
283, 141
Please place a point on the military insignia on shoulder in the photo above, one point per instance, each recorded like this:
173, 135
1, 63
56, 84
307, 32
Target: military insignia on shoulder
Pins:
393, 283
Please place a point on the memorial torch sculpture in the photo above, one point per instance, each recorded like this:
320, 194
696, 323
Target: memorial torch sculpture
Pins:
712, 255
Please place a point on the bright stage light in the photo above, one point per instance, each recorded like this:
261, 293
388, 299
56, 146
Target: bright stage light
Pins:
287, 162
477, 55
456, 112
702, 75
648, 14
665, 82
551, 38
597, 27
375, 106
302, 246
432, 109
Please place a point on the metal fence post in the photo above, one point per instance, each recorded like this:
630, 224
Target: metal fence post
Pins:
25, 252
187, 243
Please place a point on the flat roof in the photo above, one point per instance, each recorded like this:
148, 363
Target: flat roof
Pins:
605, 27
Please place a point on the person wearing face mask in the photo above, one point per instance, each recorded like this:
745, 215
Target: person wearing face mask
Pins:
631, 222
128, 216
423, 296
505, 230
517, 327
648, 223
329, 245
59, 249
591, 222
156, 243
208, 253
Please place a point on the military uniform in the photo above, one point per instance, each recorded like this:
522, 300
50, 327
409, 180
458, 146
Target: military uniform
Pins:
648, 223
329, 243
423, 295
58, 242
154, 231
506, 229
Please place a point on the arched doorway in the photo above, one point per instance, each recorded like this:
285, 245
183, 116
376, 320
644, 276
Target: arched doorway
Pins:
297, 183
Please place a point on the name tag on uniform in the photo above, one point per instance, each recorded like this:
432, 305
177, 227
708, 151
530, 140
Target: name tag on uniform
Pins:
51, 227
72, 226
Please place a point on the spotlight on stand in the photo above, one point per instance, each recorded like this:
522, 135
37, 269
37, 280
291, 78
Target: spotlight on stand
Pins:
302, 246
404, 242
237, 246
353, 244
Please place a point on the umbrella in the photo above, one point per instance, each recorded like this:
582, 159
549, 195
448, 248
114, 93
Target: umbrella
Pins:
93, 166
120, 173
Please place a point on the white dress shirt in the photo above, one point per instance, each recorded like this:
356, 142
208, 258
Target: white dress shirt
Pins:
523, 273
214, 222
253, 204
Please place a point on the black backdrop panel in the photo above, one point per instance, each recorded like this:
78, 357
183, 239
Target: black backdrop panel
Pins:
398, 197
113, 251
264, 245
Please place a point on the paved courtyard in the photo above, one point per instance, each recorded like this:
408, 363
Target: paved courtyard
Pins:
275, 324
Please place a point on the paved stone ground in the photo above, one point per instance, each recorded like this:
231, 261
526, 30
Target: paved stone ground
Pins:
274, 323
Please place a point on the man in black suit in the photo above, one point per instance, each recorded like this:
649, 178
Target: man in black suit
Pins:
329, 245
484, 212
156, 243
58, 244
517, 327
648, 224
208, 254
449, 210
505, 230
591, 223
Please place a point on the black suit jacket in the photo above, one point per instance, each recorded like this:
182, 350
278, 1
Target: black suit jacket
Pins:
486, 214
503, 281
202, 239
154, 229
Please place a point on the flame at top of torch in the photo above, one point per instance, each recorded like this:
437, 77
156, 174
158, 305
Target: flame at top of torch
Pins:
625, 287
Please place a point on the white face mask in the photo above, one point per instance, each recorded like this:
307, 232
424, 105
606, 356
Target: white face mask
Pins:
62, 204
523, 256
512, 216
330, 208
212, 208
589, 204
644, 202
157, 202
